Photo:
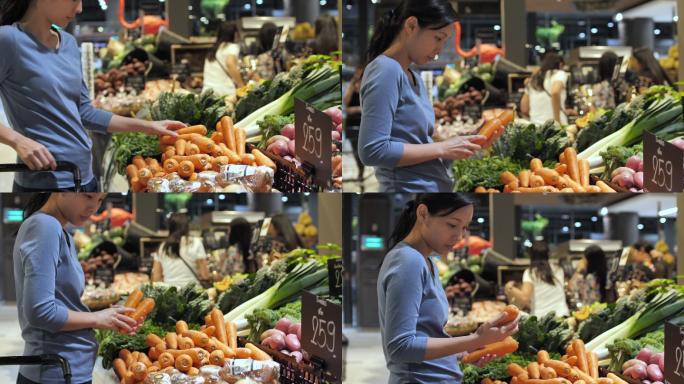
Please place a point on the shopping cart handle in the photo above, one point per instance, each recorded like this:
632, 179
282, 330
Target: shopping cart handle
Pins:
61, 166
45, 359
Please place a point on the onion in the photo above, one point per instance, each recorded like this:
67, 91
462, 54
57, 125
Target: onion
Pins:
635, 162
639, 180
295, 329
336, 136
279, 147
630, 363
679, 142
645, 355
338, 128
288, 131
625, 180
276, 342
291, 147
283, 324
270, 333
637, 371
297, 355
620, 170
293, 343
335, 113
654, 372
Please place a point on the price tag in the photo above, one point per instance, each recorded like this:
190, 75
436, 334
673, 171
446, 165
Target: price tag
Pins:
322, 332
313, 140
663, 165
335, 269
674, 354
136, 82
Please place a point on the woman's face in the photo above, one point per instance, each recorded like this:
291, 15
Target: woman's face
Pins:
441, 233
61, 12
78, 207
424, 43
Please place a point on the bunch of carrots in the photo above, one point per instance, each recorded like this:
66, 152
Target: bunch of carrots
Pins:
577, 366
143, 306
186, 350
501, 348
192, 152
495, 127
569, 175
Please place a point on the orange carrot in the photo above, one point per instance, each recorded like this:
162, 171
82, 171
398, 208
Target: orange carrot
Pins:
144, 359
509, 314
190, 352
240, 137
604, 187
533, 370
134, 299
181, 327
227, 351
524, 177
580, 350
593, 189
170, 166
561, 158
198, 129
573, 184
183, 363
584, 172
144, 174
153, 353
583, 376
571, 161
561, 168
480, 189
550, 176
547, 373
119, 367
139, 371
231, 335
204, 143
209, 331
180, 147
561, 368
592, 360
200, 339
217, 358
572, 360
542, 357
258, 354
515, 369
512, 186
508, 345
170, 140
234, 158
152, 340
536, 164
536, 181
221, 331
615, 378
139, 162
185, 343
153, 164
507, 177
192, 149
228, 134
263, 160
186, 168
143, 309
247, 159
243, 353
217, 136
193, 371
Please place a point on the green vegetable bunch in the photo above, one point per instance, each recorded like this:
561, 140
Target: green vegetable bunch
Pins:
471, 173
522, 141
549, 333
110, 342
191, 303
264, 319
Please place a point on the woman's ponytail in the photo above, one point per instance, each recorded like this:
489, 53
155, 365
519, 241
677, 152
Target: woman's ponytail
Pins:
12, 11
386, 30
405, 223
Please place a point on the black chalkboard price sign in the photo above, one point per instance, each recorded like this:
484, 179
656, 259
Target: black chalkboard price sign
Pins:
313, 140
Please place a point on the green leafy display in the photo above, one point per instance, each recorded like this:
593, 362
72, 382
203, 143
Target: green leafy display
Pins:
548, 333
471, 173
191, 303
110, 342
522, 141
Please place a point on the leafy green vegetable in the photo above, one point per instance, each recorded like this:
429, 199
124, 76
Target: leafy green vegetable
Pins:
129, 144
605, 319
549, 333
271, 125
264, 319
206, 109
471, 173
609, 122
110, 342
522, 141
616, 157
191, 303
251, 286
498, 369
625, 349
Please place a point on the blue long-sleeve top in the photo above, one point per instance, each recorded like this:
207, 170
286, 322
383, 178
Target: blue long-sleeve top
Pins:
413, 307
46, 100
49, 282
396, 112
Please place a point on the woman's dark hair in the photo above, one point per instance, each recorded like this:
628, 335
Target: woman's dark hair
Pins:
227, 33
431, 14
539, 262
598, 266
179, 226
326, 35
35, 203
241, 235
438, 204
267, 36
606, 66
284, 227
12, 11
650, 66
551, 61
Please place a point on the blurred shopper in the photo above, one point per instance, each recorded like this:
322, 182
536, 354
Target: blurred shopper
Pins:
352, 105
610, 90
647, 70
589, 283
327, 37
222, 64
545, 92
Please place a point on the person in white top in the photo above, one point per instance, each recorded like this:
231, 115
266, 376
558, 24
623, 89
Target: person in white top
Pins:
543, 285
545, 94
221, 69
181, 259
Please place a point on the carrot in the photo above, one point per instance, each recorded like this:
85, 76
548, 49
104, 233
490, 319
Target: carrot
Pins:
542, 189
571, 161
170, 140
200, 339
536, 181
604, 380
547, 373
604, 187
171, 339
616, 379
545, 381
144, 174
257, 354
581, 382
183, 363
217, 151
480, 189
185, 343
170, 165
593, 189
584, 376
569, 351
514, 369
180, 147
204, 143
166, 360
522, 376
227, 351
507, 177
572, 360
211, 346
133, 301
486, 380
231, 335
143, 309
153, 353
561, 368
190, 352
512, 186
209, 331
561, 168
542, 357
581, 352
509, 314
514, 380
535, 164
119, 367
240, 137
152, 369
181, 327
243, 353
573, 184
199, 161
139, 162
193, 371
227, 131
592, 360
161, 347
221, 329
192, 149
132, 171
491, 127
208, 320
220, 162
186, 168
524, 177
263, 160
139, 371
152, 340
194, 177
124, 354
232, 155
217, 136
217, 358
499, 349
199, 129
562, 182
584, 172
144, 359
550, 176
561, 158
247, 159
153, 164
533, 370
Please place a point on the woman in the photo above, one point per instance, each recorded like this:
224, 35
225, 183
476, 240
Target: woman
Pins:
49, 283
46, 99
326, 41
221, 66
412, 303
605, 93
285, 238
590, 279
543, 285
181, 259
240, 241
397, 118
352, 105
545, 92
266, 63
647, 69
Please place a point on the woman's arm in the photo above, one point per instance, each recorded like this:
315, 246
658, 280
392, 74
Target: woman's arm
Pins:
114, 318
127, 124
556, 89
486, 334
157, 272
233, 71
203, 269
523, 297
525, 104
35, 155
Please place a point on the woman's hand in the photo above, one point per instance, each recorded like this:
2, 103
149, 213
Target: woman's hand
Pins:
162, 128
35, 155
116, 319
488, 333
461, 147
